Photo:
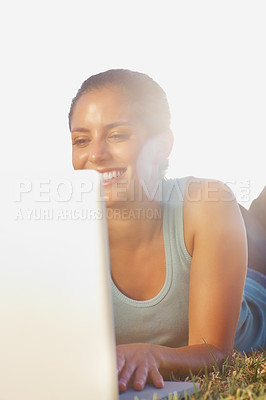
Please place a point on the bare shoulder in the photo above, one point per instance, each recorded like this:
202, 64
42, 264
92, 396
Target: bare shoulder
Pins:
210, 206
202, 191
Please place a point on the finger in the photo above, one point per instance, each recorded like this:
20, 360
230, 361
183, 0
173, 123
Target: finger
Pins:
156, 378
141, 375
120, 362
125, 376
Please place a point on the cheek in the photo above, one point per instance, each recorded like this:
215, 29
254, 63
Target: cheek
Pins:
128, 155
79, 159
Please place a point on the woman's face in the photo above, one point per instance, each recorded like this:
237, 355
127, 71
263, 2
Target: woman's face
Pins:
106, 137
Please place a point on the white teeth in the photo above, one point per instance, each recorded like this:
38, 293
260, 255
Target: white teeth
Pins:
110, 175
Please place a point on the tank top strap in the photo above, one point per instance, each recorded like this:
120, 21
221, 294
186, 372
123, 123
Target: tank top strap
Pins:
173, 203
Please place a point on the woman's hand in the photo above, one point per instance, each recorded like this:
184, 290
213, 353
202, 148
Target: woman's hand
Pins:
137, 364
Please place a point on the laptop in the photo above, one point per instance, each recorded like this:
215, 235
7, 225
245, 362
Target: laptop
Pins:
57, 337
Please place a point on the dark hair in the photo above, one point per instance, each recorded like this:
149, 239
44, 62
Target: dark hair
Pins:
148, 98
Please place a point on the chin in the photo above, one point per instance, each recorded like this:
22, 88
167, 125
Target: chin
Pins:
114, 203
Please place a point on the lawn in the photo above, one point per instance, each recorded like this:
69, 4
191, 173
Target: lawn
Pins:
243, 378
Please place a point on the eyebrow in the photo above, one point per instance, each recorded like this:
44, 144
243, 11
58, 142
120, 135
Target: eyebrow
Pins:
108, 126
80, 130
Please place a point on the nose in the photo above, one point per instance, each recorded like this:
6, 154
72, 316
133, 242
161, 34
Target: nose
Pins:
98, 151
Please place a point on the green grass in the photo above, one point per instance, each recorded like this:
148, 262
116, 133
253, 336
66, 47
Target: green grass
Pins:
243, 378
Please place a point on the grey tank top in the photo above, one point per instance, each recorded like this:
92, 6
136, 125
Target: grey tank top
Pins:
163, 319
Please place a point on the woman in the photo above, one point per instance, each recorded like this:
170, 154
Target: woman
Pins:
177, 247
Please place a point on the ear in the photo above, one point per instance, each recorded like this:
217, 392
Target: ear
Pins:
164, 145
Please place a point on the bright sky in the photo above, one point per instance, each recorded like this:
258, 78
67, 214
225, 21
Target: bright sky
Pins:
209, 56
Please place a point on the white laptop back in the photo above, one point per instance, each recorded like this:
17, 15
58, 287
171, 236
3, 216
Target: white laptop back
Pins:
56, 334
56, 320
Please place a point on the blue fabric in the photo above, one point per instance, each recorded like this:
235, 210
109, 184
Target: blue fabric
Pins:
251, 327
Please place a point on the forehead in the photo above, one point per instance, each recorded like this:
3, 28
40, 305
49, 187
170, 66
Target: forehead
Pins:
102, 105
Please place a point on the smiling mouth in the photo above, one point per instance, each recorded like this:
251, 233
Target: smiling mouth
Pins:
112, 176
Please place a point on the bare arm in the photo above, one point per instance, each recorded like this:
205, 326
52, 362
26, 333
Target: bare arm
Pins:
218, 269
